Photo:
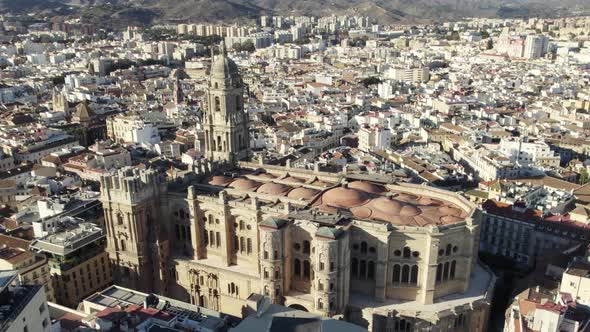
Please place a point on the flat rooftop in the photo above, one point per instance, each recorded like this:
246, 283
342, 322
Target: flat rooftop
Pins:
73, 234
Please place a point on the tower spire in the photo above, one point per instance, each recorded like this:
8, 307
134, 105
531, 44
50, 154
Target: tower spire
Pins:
222, 48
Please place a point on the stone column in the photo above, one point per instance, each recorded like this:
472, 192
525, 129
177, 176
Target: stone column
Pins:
381, 271
196, 225
428, 268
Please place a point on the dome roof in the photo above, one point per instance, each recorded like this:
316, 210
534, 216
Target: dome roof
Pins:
302, 193
389, 205
367, 187
344, 197
272, 188
220, 180
245, 184
406, 197
428, 201
409, 211
223, 67
449, 210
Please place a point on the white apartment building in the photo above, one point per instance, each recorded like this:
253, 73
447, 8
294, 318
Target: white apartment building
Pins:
576, 281
529, 153
535, 46
22, 308
132, 129
409, 73
512, 46
386, 89
374, 138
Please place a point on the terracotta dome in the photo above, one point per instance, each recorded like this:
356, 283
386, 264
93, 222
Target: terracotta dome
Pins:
367, 187
344, 197
406, 197
272, 188
387, 205
362, 212
220, 180
409, 211
244, 184
450, 219
266, 175
428, 201
302, 193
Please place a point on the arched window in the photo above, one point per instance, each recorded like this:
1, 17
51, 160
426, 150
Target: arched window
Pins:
396, 274
218, 147
363, 247
320, 304
242, 244
297, 267
355, 267
306, 269
119, 219
218, 238
448, 251
306, 247
371, 271
217, 104
249, 244
363, 269
439, 269
405, 274
122, 245
203, 300
210, 219
277, 274
266, 291
237, 291
241, 225
453, 268
212, 238
446, 271
414, 275
407, 252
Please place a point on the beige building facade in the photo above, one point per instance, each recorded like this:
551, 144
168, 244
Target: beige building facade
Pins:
386, 256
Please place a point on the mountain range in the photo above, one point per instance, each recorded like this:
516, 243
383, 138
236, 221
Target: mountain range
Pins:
387, 11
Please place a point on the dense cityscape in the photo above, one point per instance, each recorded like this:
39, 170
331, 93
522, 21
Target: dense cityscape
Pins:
295, 173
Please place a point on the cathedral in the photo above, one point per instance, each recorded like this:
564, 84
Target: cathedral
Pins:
360, 247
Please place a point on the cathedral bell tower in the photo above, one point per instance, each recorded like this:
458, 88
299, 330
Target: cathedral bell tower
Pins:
225, 122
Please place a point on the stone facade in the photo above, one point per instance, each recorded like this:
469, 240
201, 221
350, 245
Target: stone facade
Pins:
387, 256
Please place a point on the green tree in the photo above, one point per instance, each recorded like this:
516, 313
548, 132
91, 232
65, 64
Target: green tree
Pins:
370, 81
584, 176
248, 46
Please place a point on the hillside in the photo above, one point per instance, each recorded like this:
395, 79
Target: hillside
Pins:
388, 11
